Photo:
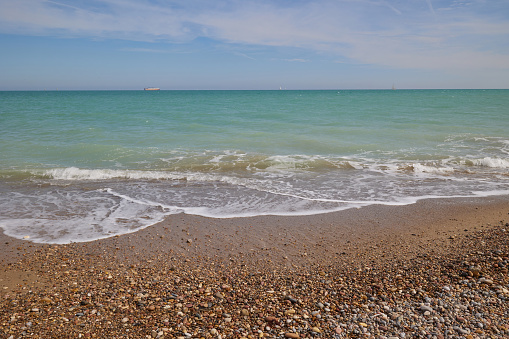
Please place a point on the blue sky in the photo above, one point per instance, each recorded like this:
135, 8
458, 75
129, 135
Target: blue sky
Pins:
244, 44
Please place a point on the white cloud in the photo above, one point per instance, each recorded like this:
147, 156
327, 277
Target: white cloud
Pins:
364, 31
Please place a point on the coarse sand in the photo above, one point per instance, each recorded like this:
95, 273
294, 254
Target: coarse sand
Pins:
434, 269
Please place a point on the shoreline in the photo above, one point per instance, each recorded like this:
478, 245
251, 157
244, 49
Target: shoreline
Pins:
424, 219
241, 260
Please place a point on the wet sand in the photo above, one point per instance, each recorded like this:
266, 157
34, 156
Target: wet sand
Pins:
436, 268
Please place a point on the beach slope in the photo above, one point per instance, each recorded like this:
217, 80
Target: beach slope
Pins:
432, 269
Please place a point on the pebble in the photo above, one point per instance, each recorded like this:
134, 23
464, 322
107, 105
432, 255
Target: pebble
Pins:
485, 281
429, 295
425, 308
461, 330
46, 300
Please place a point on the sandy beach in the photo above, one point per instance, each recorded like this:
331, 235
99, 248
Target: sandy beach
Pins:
434, 269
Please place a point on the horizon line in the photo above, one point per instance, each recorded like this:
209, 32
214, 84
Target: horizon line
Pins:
225, 89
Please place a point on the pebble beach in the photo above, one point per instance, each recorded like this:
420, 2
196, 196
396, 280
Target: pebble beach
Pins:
434, 269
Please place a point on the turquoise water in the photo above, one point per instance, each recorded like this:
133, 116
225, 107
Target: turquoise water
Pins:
78, 166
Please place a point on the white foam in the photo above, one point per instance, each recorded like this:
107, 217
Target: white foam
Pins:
420, 168
98, 203
112, 213
167, 208
75, 216
491, 162
77, 174
74, 173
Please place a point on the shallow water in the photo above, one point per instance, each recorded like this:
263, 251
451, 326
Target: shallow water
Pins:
78, 166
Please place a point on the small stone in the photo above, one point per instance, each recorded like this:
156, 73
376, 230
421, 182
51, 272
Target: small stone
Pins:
486, 281
293, 300
290, 311
46, 300
244, 312
291, 335
461, 319
270, 319
425, 308
316, 329
475, 272
461, 330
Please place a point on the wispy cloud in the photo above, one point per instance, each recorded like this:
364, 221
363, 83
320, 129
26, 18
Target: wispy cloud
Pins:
297, 60
459, 35
431, 9
244, 55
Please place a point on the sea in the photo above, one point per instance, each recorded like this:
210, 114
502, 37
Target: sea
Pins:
78, 166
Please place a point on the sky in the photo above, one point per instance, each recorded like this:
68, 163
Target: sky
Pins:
248, 44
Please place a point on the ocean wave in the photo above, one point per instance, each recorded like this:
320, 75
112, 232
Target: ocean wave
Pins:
432, 169
491, 162
74, 173
242, 169
282, 170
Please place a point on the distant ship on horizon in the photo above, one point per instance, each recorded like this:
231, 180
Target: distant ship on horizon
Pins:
152, 89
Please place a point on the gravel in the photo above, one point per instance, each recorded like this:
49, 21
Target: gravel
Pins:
461, 292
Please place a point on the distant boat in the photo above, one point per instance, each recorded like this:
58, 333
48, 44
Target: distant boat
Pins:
393, 87
152, 89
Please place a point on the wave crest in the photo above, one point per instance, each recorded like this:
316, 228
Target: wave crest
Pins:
74, 173
491, 162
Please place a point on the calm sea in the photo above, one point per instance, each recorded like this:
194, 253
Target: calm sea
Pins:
78, 166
